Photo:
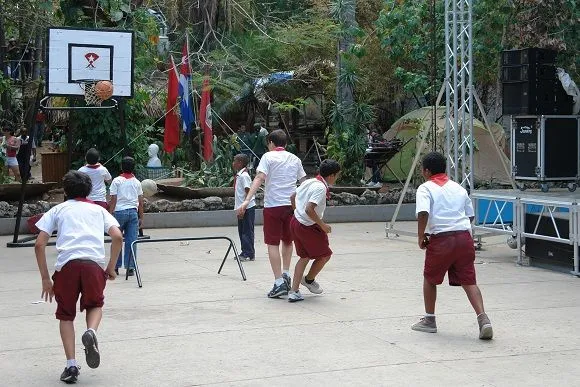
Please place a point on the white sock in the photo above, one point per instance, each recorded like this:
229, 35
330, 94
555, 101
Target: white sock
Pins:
71, 363
91, 329
279, 281
429, 315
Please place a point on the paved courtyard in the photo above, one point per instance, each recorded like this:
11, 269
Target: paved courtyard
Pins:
189, 326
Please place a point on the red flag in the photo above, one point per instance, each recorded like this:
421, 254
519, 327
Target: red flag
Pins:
205, 120
171, 134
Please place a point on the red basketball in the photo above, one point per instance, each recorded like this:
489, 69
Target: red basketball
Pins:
104, 90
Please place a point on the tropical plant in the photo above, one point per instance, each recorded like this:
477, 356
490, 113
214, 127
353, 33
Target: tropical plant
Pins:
219, 172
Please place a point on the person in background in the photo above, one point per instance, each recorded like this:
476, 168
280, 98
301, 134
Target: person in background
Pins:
260, 143
12, 145
99, 175
242, 184
126, 205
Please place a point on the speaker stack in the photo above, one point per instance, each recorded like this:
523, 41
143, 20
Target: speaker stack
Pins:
530, 83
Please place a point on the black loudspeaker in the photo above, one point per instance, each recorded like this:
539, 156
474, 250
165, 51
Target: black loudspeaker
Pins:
530, 55
528, 72
548, 252
530, 97
545, 148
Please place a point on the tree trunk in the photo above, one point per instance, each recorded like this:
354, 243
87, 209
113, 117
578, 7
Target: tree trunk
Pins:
4, 100
344, 91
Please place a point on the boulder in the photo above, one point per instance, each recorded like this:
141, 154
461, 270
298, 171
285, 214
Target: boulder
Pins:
213, 203
348, 199
7, 211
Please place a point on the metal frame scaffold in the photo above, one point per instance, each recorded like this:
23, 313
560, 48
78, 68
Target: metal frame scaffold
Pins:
459, 97
459, 91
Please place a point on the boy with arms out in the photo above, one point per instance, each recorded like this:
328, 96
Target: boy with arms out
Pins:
242, 184
308, 229
99, 176
279, 170
444, 213
80, 266
127, 207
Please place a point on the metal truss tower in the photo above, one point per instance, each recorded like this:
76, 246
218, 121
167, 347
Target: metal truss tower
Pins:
459, 91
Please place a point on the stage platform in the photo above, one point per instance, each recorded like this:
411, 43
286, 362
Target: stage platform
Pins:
552, 216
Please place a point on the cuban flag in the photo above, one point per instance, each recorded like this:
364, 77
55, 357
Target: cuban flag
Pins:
185, 103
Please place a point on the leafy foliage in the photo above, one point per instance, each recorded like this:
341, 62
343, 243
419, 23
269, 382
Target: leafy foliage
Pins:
219, 173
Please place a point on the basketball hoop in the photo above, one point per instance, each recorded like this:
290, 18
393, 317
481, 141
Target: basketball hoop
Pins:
96, 91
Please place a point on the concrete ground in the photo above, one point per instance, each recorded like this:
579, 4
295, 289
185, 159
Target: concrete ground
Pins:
189, 326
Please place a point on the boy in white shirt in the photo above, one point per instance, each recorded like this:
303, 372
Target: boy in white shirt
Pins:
444, 213
309, 231
279, 170
127, 207
242, 184
81, 268
99, 176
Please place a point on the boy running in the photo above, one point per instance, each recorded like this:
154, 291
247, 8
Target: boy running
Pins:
308, 229
279, 170
444, 213
81, 268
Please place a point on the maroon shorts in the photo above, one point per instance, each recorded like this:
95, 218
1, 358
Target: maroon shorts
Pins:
453, 253
105, 205
79, 276
277, 225
310, 241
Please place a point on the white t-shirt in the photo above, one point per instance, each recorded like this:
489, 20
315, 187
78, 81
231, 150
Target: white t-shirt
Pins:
127, 191
310, 191
81, 227
449, 206
282, 170
243, 181
98, 177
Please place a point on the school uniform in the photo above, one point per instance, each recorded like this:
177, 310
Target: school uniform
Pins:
242, 181
282, 170
127, 189
310, 240
450, 249
98, 174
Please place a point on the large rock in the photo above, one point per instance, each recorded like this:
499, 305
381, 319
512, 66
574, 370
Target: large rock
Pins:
229, 203
162, 205
371, 197
213, 203
7, 211
193, 205
348, 199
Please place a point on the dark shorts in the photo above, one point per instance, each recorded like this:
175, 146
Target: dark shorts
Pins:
105, 205
78, 277
310, 241
451, 253
277, 225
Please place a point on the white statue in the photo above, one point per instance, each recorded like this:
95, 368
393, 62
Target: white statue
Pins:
154, 161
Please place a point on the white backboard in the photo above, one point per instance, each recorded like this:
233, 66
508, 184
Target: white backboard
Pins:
77, 54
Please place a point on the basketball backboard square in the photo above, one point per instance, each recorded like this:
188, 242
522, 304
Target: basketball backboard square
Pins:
84, 54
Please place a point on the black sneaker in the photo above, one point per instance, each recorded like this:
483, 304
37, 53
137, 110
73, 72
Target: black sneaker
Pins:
91, 349
131, 272
287, 280
278, 290
117, 270
70, 375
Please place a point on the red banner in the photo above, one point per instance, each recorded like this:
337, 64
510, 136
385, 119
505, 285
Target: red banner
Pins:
171, 134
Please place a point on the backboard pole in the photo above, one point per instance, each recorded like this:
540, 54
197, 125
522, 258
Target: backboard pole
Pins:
123, 126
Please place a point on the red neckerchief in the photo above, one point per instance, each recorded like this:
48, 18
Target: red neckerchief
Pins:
279, 149
93, 166
84, 200
320, 178
237, 174
127, 175
440, 179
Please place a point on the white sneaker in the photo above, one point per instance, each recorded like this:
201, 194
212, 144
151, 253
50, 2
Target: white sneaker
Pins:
295, 296
370, 184
377, 185
314, 287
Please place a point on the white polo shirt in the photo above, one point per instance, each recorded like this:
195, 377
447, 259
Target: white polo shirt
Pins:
98, 177
81, 227
282, 170
243, 181
127, 191
449, 206
310, 191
